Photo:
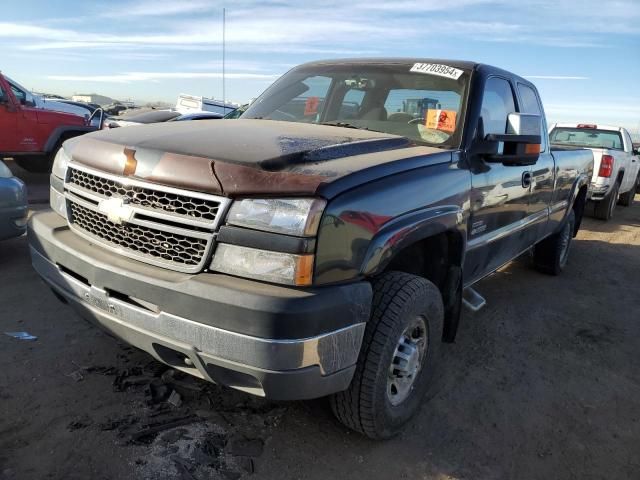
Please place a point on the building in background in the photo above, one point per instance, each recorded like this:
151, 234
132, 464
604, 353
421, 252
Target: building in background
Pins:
92, 98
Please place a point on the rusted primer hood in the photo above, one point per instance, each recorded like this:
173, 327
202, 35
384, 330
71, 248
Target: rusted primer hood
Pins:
234, 157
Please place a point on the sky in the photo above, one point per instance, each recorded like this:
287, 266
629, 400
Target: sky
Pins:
583, 55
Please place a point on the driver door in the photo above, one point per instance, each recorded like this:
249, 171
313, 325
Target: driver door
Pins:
499, 194
8, 122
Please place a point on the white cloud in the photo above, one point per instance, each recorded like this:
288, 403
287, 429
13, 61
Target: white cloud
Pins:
155, 8
130, 77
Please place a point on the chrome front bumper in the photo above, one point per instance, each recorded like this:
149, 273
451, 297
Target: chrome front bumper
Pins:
280, 369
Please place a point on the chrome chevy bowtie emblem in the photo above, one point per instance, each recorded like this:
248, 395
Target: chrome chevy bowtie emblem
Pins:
117, 210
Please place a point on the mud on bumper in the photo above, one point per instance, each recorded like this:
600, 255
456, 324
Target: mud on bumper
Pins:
267, 340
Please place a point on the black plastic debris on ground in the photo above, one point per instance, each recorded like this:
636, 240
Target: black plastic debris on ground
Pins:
221, 427
148, 432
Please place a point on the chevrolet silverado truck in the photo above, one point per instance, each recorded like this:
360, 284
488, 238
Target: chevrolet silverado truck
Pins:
616, 172
32, 135
320, 244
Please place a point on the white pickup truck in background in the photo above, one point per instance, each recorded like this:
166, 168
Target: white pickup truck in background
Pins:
616, 163
193, 103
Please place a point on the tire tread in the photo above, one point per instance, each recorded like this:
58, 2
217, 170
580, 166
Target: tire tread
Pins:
353, 406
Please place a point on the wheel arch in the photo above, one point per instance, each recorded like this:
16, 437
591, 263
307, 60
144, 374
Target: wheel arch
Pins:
62, 133
429, 243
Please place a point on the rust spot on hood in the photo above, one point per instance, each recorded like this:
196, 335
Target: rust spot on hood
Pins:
131, 163
249, 180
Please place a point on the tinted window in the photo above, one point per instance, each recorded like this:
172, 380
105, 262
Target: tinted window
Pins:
497, 103
531, 104
586, 137
529, 99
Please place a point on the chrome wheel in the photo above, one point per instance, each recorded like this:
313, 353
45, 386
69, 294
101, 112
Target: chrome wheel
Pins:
407, 361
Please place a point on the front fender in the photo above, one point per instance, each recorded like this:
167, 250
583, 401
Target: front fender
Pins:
409, 229
67, 131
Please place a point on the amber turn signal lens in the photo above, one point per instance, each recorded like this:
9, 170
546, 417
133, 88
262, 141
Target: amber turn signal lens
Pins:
304, 270
532, 148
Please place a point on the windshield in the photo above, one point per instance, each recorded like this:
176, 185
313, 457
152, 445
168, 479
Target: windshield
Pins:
586, 137
423, 102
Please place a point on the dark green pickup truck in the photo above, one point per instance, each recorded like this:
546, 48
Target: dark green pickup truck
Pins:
321, 243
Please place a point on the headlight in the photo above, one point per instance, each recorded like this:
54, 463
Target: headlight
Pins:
60, 164
264, 265
291, 216
4, 171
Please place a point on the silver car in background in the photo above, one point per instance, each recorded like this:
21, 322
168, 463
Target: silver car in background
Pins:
13, 204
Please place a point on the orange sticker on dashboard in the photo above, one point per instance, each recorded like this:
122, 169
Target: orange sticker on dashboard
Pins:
311, 106
444, 120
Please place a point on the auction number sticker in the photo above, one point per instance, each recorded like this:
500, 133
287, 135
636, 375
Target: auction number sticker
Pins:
437, 69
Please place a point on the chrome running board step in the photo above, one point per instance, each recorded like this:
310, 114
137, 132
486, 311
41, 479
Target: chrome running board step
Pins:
472, 299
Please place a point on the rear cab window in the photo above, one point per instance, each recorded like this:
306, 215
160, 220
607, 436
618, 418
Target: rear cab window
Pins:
530, 103
587, 137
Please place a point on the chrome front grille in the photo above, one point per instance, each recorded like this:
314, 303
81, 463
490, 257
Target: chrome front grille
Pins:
168, 227
157, 244
180, 205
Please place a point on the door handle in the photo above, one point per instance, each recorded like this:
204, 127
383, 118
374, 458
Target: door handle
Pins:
526, 179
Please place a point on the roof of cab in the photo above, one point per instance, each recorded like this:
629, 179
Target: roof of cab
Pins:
461, 64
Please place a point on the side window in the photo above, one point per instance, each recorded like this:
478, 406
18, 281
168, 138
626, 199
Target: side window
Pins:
351, 104
20, 94
530, 103
629, 144
497, 103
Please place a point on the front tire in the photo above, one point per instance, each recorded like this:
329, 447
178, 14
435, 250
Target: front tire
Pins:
552, 254
398, 358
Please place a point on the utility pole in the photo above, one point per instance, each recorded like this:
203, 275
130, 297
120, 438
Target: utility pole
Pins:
224, 93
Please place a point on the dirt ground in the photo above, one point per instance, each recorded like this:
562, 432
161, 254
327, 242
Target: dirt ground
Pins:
544, 383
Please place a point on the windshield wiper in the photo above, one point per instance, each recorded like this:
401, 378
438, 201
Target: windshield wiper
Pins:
345, 125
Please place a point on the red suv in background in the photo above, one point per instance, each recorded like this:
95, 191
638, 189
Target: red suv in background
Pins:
31, 135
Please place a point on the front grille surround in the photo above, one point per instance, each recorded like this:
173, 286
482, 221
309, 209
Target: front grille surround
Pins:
180, 205
155, 234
